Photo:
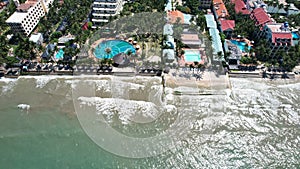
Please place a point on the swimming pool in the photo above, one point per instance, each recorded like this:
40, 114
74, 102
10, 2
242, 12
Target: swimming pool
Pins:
192, 56
295, 35
110, 48
60, 54
241, 45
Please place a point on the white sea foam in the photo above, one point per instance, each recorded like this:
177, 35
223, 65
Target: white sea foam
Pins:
7, 80
126, 110
24, 106
9, 85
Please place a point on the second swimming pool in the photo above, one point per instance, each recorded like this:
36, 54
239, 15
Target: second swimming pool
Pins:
241, 45
192, 56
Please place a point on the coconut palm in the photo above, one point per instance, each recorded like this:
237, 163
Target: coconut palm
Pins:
107, 51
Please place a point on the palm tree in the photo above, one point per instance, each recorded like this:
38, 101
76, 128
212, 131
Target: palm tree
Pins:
220, 55
107, 51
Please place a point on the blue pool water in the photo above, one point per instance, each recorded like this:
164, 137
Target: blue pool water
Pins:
115, 47
241, 45
295, 35
60, 54
192, 56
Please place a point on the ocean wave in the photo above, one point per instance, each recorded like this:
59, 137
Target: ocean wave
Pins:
8, 85
127, 110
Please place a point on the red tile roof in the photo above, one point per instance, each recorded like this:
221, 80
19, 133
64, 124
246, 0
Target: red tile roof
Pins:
174, 15
260, 16
281, 35
227, 24
240, 7
85, 26
220, 8
25, 7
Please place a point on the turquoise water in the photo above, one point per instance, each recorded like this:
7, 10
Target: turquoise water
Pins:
60, 54
241, 45
116, 47
295, 35
191, 56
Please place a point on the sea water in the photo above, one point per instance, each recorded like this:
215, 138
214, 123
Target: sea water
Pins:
257, 124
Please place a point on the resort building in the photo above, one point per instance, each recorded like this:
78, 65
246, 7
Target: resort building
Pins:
253, 4
206, 4
104, 9
191, 40
219, 9
49, 51
28, 15
278, 36
169, 54
227, 27
37, 38
260, 17
276, 10
240, 7
63, 40
215, 36
235, 54
292, 10
210, 21
3, 4
174, 16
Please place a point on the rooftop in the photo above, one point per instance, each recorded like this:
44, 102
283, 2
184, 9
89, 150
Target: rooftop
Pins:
174, 15
210, 21
277, 27
235, 52
35, 37
16, 17
190, 39
227, 25
281, 35
240, 7
168, 29
261, 17
275, 9
220, 8
216, 41
169, 54
25, 7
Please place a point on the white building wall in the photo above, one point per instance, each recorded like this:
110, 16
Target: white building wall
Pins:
103, 9
25, 22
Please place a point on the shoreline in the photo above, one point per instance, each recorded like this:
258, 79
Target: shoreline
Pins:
207, 83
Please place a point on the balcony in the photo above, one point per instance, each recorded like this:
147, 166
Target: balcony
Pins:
106, 1
100, 20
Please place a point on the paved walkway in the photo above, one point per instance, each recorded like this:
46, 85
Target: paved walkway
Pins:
197, 78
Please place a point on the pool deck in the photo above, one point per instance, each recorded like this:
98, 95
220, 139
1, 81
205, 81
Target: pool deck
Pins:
182, 61
247, 41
